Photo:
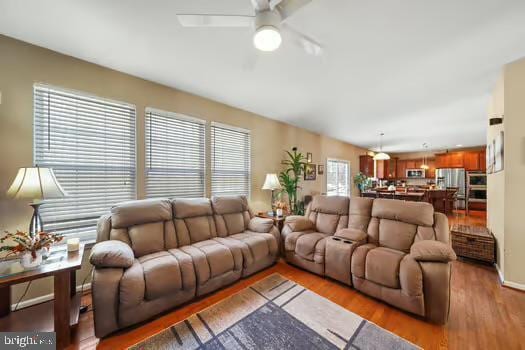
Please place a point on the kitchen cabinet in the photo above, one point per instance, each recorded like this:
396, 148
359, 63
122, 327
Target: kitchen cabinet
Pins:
483, 160
366, 165
442, 161
386, 169
456, 160
471, 161
410, 164
392, 168
401, 168
430, 173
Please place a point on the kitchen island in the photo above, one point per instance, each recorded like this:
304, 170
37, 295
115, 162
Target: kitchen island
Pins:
442, 199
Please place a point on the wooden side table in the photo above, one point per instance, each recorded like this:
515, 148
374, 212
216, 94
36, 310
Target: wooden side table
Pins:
59, 315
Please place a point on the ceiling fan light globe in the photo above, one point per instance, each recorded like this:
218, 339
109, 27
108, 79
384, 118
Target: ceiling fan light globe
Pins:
381, 156
267, 38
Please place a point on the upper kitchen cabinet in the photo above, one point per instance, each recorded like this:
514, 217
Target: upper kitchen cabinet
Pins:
456, 160
450, 160
410, 164
430, 173
483, 160
366, 165
472, 161
386, 169
401, 168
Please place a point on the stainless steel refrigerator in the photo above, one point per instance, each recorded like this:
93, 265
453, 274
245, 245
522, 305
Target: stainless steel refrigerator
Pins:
454, 177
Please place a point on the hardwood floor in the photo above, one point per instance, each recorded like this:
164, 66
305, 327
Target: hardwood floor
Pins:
484, 315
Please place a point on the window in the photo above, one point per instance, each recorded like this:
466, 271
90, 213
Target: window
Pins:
90, 144
175, 163
337, 177
230, 160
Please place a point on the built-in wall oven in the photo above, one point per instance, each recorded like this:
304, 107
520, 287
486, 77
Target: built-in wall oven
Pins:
475, 179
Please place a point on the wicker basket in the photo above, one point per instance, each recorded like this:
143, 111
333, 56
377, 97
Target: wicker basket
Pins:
473, 242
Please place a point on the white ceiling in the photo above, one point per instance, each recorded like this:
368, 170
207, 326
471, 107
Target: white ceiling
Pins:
417, 70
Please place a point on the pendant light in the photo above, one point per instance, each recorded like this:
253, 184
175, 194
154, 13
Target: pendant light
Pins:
381, 155
425, 166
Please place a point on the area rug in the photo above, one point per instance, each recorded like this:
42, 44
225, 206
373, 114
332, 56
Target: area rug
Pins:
275, 313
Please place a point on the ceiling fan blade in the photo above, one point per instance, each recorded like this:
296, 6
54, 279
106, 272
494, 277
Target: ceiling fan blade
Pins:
260, 5
309, 45
197, 20
288, 7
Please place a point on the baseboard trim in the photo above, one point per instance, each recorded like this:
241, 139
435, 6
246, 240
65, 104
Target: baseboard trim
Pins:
514, 285
509, 284
44, 298
500, 274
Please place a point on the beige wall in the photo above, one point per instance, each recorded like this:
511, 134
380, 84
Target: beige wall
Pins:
496, 181
506, 191
22, 65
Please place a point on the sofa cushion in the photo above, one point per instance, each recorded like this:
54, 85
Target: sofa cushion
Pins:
234, 223
162, 274
396, 234
352, 235
111, 254
255, 246
382, 266
415, 213
337, 205
432, 251
229, 204
360, 212
263, 225
311, 246
191, 207
147, 238
140, 212
212, 259
358, 261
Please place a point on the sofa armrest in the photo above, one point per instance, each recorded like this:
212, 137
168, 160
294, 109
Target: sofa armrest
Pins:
432, 251
352, 234
261, 225
111, 253
298, 223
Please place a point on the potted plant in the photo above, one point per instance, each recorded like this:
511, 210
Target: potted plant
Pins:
290, 178
361, 181
30, 249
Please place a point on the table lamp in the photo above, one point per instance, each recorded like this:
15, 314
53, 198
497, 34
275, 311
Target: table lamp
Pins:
36, 184
272, 183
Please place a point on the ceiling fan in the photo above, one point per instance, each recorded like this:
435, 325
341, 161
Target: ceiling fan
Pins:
268, 23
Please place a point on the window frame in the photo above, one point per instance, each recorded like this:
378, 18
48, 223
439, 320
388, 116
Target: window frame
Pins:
248, 132
86, 237
349, 176
182, 117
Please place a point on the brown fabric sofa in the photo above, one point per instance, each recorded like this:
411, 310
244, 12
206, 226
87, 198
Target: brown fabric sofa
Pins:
393, 250
155, 254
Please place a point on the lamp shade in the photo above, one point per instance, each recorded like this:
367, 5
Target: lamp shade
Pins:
381, 156
35, 184
271, 182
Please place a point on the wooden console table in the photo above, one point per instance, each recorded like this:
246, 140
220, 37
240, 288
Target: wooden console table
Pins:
59, 315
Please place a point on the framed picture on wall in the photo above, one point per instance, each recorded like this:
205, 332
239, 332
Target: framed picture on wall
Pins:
308, 157
320, 169
490, 158
310, 172
499, 152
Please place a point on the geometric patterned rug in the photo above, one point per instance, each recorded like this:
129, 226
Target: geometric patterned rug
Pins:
275, 313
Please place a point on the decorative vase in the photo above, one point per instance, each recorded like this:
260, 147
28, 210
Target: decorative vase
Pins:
29, 262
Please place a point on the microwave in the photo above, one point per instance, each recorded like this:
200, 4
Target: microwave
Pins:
415, 173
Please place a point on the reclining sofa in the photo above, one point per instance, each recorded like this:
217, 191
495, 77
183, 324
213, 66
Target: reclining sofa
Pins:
152, 255
393, 250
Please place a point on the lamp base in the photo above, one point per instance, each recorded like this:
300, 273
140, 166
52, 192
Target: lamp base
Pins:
36, 225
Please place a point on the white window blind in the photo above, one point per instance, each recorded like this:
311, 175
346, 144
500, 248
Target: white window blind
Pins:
175, 162
337, 177
230, 160
90, 144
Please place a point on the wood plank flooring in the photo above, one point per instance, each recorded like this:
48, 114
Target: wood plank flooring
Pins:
484, 315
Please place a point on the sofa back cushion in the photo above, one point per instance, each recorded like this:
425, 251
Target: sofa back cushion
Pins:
193, 220
328, 213
360, 212
232, 214
395, 224
146, 225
